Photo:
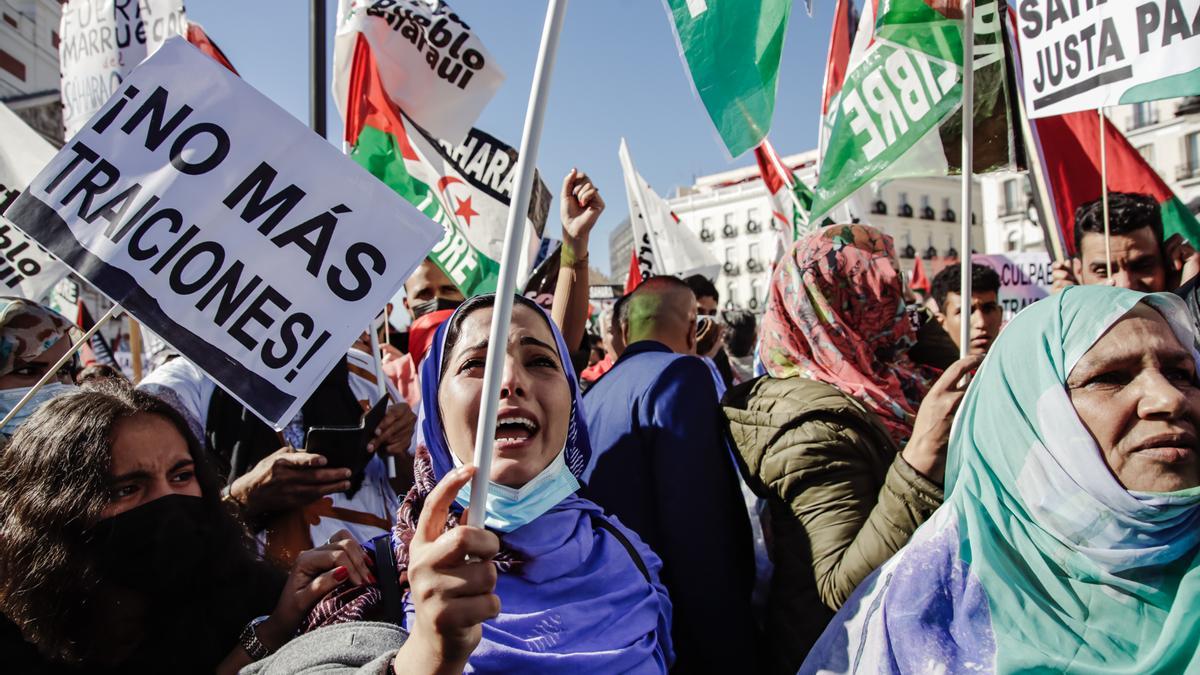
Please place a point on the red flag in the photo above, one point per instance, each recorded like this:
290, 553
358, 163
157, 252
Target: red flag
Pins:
920, 282
635, 274
845, 23
1070, 155
197, 36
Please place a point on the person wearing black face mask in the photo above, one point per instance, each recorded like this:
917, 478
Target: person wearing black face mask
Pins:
428, 289
116, 554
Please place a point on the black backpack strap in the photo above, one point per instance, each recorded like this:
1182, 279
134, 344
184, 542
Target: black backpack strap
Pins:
389, 580
601, 522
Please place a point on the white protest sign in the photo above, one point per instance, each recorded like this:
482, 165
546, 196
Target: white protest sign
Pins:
227, 227
1086, 54
101, 41
432, 64
1025, 278
25, 268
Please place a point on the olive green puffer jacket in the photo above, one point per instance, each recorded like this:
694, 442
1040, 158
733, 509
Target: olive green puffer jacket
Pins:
841, 500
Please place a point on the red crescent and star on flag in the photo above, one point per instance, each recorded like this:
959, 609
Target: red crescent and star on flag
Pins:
462, 207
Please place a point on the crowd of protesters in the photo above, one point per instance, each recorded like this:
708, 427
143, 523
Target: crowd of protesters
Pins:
826, 488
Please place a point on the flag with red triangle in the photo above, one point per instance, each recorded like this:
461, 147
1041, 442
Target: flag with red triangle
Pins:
201, 40
791, 200
920, 280
1069, 151
465, 187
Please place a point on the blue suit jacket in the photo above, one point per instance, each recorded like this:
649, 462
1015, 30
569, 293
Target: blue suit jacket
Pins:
664, 468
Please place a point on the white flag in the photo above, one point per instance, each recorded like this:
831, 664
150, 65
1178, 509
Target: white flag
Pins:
667, 245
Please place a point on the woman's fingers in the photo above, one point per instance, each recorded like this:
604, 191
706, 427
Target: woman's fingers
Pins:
455, 546
568, 181
458, 613
952, 379
432, 521
466, 580
321, 586
343, 554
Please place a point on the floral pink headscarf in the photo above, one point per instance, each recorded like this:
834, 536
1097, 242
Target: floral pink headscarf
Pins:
836, 314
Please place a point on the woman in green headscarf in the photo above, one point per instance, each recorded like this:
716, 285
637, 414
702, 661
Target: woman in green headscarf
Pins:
1069, 540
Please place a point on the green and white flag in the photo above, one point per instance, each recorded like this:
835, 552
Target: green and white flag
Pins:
897, 114
731, 48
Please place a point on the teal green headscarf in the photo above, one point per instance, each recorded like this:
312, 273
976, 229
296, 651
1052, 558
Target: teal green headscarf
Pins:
1039, 559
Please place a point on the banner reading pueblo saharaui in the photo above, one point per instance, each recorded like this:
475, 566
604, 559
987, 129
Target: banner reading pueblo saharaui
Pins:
101, 41
431, 63
1087, 54
225, 226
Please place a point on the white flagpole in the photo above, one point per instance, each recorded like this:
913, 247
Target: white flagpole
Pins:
514, 238
380, 384
968, 167
1104, 195
112, 312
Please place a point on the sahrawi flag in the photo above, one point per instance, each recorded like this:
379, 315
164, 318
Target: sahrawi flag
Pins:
662, 244
1070, 156
464, 187
732, 50
431, 64
897, 113
791, 200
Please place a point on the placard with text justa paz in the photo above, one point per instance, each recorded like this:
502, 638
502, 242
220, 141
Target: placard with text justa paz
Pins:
228, 228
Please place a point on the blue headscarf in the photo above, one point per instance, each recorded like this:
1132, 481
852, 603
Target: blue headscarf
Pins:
572, 597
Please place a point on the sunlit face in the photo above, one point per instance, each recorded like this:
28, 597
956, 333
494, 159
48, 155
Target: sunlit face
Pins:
150, 459
1136, 392
28, 374
1137, 261
986, 317
535, 399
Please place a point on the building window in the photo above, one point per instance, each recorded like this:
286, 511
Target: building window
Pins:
730, 255
1144, 114
11, 64
753, 224
1191, 157
906, 209
731, 294
756, 295
1147, 153
1013, 241
754, 251
927, 212
729, 219
1010, 198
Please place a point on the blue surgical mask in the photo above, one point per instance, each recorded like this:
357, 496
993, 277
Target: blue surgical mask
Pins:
509, 508
10, 397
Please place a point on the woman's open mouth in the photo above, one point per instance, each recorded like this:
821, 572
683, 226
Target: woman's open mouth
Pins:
514, 431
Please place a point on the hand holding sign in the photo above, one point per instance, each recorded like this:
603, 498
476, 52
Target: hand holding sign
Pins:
225, 226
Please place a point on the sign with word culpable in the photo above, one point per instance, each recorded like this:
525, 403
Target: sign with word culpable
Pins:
225, 226
1086, 54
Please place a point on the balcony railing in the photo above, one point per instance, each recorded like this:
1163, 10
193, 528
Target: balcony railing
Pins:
1140, 121
1187, 171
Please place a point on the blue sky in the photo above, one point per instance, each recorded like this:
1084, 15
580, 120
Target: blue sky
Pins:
618, 74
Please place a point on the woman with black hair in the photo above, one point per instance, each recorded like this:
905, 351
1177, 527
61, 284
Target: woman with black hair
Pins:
117, 555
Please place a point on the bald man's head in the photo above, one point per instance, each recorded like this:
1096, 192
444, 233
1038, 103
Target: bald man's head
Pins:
663, 309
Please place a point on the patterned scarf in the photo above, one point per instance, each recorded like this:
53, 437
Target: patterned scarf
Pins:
836, 314
27, 330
